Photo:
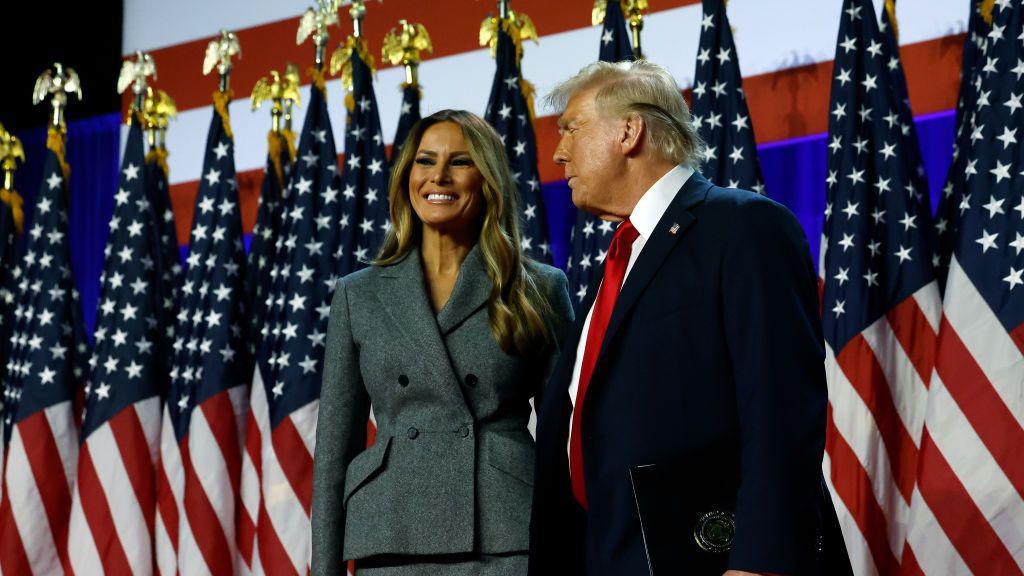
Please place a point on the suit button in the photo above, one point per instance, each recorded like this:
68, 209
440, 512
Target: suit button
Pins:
413, 433
464, 431
403, 380
471, 380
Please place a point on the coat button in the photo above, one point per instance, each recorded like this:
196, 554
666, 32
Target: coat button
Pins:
471, 380
464, 431
403, 380
413, 433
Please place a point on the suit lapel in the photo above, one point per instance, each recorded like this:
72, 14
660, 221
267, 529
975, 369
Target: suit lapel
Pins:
670, 230
471, 291
404, 298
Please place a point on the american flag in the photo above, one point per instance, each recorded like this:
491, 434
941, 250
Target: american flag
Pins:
280, 157
591, 235
43, 376
880, 302
277, 466
114, 500
720, 109
10, 231
167, 258
208, 398
409, 115
947, 215
967, 509
511, 116
365, 174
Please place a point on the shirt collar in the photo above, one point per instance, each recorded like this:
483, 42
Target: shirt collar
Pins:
653, 204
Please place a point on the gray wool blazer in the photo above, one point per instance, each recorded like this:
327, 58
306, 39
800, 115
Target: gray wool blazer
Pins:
451, 470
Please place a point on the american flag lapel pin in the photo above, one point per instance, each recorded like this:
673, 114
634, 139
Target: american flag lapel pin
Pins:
674, 228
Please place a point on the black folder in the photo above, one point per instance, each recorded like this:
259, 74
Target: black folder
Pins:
676, 511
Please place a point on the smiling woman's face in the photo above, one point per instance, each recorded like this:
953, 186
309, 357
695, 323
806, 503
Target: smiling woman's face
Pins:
445, 186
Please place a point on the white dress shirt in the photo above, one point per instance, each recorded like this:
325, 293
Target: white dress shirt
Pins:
646, 215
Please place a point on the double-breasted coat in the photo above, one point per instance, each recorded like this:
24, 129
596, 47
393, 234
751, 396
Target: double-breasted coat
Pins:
451, 469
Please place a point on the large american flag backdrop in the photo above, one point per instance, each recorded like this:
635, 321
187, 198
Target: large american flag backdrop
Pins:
177, 437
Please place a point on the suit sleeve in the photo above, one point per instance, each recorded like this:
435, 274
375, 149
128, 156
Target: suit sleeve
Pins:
559, 323
774, 338
340, 435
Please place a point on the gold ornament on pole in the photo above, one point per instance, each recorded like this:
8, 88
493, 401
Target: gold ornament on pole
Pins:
282, 91
403, 45
57, 83
314, 22
634, 10
11, 153
157, 108
520, 28
134, 75
341, 59
517, 25
219, 53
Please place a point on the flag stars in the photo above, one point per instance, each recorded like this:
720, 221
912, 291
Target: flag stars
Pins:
903, 254
995, 206
987, 241
1014, 278
1008, 137
840, 308
1001, 171
843, 276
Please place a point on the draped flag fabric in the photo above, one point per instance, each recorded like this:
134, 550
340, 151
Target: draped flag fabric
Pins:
947, 215
364, 176
409, 115
167, 258
277, 466
966, 512
508, 112
208, 399
591, 235
266, 230
720, 109
880, 302
10, 269
111, 526
43, 378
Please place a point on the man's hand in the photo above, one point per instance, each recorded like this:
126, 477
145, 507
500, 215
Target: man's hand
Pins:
742, 573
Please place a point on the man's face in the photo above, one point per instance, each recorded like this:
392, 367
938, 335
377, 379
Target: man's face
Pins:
590, 152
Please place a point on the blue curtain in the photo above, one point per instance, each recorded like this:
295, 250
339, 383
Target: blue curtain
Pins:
93, 152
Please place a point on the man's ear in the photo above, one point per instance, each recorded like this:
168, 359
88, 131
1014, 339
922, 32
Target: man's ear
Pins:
634, 130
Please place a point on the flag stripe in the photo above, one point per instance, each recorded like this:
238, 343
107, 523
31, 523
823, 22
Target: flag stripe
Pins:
30, 510
37, 438
957, 513
272, 555
123, 463
917, 336
98, 513
13, 559
984, 481
136, 456
858, 362
854, 486
171, 486
856, 545
297, 464
935, 552
989, 416
202, 519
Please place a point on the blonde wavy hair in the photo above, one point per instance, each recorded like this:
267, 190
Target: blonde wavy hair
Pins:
518, 308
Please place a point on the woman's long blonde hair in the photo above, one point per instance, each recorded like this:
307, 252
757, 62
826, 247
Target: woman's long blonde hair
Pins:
517, 307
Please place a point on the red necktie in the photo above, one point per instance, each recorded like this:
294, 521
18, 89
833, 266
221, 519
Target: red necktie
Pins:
615, 264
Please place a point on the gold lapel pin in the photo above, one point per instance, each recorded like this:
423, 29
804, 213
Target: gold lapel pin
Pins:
674, 228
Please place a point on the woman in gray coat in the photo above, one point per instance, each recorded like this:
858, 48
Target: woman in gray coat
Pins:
447, 336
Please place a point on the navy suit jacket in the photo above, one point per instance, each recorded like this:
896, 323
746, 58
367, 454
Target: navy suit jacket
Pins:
712, 364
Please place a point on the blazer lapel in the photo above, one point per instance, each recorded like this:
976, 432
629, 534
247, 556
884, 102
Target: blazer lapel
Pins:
404, 298
670, 229
471, 292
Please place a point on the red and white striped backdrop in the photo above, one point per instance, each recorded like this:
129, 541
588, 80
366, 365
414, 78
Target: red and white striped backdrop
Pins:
785, 47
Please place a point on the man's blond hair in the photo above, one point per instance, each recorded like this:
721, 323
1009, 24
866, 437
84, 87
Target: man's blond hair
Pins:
647, 90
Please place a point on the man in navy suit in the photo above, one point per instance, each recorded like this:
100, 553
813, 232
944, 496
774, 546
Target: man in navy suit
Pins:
683, 428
